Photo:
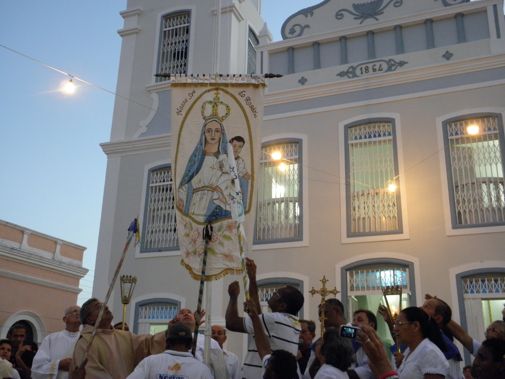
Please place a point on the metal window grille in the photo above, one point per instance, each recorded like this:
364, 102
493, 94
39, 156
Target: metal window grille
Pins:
160, 227
267, 287
279, 208
371, 164
157, 312
475, 170
174, 44
372, 279
251, 52
487, 285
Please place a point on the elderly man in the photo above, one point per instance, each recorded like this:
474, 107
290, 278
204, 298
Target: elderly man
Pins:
217, 362
54, 356
232, 362
113, 354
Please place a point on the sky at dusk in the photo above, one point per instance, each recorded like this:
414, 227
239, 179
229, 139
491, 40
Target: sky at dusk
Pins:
53, 169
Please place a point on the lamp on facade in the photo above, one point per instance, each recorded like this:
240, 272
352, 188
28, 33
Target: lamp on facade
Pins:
127, 285
473, 129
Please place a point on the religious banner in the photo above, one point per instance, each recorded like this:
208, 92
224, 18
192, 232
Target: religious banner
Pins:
215, 127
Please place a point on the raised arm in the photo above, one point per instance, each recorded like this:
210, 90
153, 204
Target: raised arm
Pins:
234, 322
461, 335
253, 286
260, 337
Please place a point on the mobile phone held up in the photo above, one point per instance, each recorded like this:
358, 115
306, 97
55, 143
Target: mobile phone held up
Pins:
348, 331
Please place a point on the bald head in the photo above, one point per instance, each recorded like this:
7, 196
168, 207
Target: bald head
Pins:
219, 334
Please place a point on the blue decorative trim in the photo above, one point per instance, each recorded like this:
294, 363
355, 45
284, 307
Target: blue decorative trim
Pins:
376, 66
298, 29
448, 3
364, 11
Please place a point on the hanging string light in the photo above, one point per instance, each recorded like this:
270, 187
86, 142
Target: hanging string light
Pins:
68, 87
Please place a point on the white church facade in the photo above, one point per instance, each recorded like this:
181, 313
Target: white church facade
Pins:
390, 119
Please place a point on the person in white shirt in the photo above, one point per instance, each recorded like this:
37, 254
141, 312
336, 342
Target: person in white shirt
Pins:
231, 359
6, 369
277, 364
337, 355
217, 362
281, 325
423, 358
54, 356
175, 362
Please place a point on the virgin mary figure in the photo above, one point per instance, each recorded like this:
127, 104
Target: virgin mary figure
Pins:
205, 187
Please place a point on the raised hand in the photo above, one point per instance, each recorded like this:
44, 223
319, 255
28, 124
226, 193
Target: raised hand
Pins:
234, 289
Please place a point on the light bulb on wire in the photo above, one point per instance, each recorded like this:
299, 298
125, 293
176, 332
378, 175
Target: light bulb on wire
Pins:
68, 87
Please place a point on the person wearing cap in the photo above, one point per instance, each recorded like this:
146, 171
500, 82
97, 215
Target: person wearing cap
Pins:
176, 361
54, 356
113, 354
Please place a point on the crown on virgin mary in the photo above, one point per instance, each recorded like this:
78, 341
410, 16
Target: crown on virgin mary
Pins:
215, 109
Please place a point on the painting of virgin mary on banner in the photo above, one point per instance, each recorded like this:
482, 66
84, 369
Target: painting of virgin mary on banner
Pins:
215, 129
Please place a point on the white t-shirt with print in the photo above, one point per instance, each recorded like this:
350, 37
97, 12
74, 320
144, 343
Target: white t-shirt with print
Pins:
171, 364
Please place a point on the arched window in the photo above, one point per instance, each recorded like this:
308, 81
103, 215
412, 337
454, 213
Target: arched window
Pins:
474, 154
159, 231
363, 283
279, 204
481, 299
266, 288
152, 316
174, 44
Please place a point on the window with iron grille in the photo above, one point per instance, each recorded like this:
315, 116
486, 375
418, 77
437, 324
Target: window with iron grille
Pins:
279, 204
372, 278
485, 285
474, 151
267, 287
174, 44
153, 315
159, 224
253, 41
372, 185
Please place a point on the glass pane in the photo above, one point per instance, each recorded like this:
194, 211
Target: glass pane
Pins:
159, 229
174, 45
374, 208
278, 215
476, 170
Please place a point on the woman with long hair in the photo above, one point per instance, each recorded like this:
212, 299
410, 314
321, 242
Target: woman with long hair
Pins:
423, 358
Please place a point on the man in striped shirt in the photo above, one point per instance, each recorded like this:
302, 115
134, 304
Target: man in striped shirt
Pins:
281, 325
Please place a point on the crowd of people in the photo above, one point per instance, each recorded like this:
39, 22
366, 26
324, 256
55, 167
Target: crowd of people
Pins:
280, 345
